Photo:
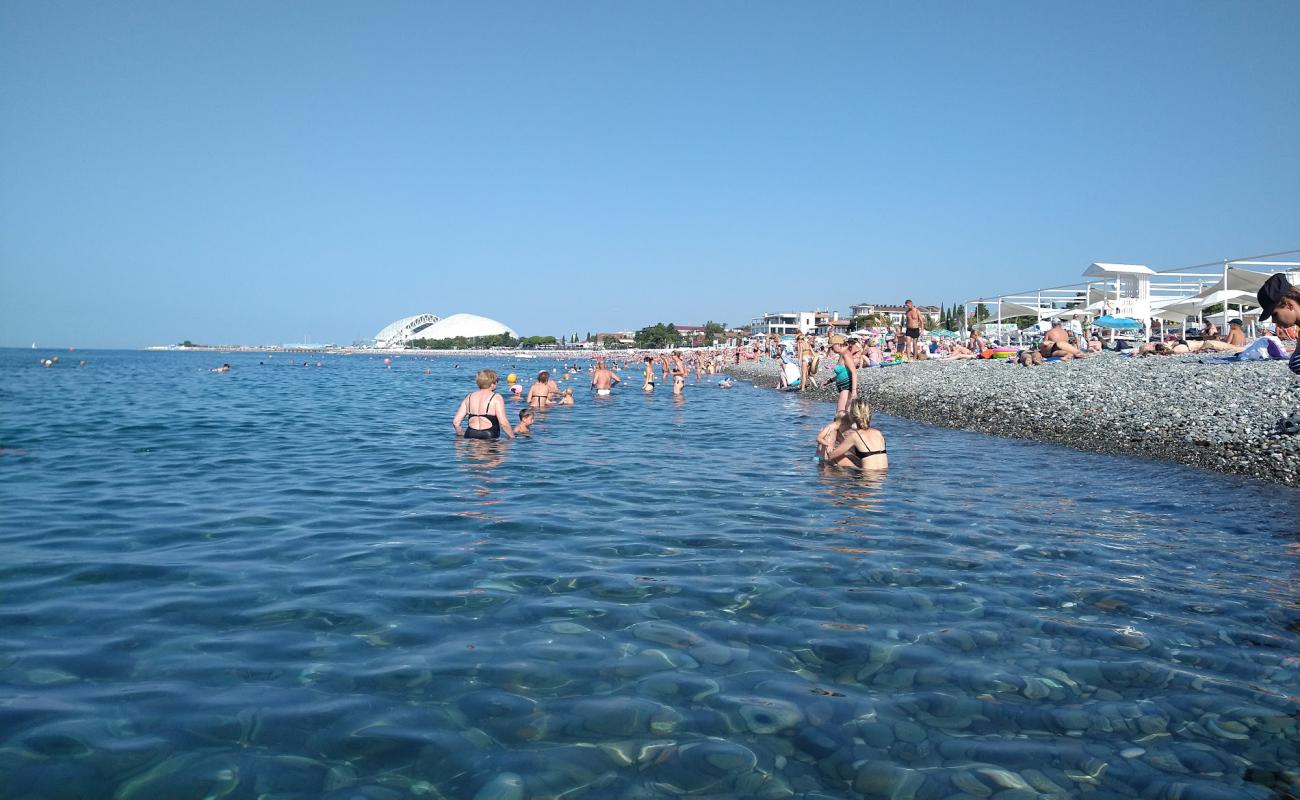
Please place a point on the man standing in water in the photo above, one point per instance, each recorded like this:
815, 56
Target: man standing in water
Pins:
602, 380
912, 333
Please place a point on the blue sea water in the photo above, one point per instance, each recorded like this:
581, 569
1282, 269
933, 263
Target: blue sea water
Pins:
290, 581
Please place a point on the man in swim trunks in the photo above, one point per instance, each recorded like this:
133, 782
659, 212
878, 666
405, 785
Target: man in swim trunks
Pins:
1056, 342
912, 331
602, 380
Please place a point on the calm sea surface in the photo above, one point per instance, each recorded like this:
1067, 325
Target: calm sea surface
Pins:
289, 582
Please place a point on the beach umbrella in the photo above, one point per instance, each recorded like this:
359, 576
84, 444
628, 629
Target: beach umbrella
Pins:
1117, 323
944, 333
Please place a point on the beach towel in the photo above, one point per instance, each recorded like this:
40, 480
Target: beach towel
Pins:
1264, 348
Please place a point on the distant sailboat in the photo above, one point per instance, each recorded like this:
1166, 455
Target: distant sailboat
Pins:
33, 345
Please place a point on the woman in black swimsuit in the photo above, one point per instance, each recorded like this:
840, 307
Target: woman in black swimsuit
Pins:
485, 409
862, 446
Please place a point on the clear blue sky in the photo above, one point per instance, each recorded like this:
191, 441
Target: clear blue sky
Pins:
261, 172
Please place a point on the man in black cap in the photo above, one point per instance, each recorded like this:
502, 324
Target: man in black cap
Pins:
1281, 301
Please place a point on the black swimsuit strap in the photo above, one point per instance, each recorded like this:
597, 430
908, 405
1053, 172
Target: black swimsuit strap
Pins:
487, 410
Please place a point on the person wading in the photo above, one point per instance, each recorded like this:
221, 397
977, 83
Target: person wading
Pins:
485, 409
603, 380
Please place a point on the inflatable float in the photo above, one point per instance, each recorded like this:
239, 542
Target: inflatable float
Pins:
998, 352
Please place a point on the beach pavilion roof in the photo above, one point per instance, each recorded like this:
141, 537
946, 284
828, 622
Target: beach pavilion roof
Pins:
1102, 269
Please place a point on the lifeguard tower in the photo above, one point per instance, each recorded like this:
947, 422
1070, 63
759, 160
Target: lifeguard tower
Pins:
1121, 290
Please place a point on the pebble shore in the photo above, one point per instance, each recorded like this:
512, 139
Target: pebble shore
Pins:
1200, 411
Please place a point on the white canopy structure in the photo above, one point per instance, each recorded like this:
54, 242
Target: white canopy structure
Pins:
1137, 291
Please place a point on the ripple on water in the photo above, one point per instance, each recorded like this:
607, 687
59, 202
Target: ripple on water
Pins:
295, 583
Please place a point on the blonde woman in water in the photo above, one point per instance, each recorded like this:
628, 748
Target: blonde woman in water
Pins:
861, 445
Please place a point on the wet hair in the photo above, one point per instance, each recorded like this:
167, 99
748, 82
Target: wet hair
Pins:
568, 391
860, 413
525, 413
485, 378
543, 376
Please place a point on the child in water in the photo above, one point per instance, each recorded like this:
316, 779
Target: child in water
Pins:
525, 422
567, 399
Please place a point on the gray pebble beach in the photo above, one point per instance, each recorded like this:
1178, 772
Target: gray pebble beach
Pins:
1196, 410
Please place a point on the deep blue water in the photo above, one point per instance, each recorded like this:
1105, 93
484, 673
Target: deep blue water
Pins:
292, 582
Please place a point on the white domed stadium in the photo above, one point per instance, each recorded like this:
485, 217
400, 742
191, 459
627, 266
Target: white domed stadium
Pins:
429, 326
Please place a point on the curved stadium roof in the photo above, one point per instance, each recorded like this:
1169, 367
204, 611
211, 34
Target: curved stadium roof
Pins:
429, 326
403, 330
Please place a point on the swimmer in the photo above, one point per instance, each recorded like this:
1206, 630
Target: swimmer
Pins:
567, 399
491, 415
603, 380
525, 425
862, 446
539, 394
679, 372
831, 435
222, 368
649, 385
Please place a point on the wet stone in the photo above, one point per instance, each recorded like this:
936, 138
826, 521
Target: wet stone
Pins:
970, 784
663, 633
884, 780
622, 716
909, 731
764, 715
876, 733
712, 654
570, 628
815, 742
506, 786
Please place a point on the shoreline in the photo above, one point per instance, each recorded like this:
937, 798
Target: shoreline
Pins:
1190, 410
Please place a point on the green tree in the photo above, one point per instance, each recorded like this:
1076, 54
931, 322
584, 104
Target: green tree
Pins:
713, 331
463, 343
534, 341
981, 312
658, 335
186, 343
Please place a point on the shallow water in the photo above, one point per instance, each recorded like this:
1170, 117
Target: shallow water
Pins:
294, 582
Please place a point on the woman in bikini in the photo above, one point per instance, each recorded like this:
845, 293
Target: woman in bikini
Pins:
649, 374
485, 409
539, 394
862, 446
